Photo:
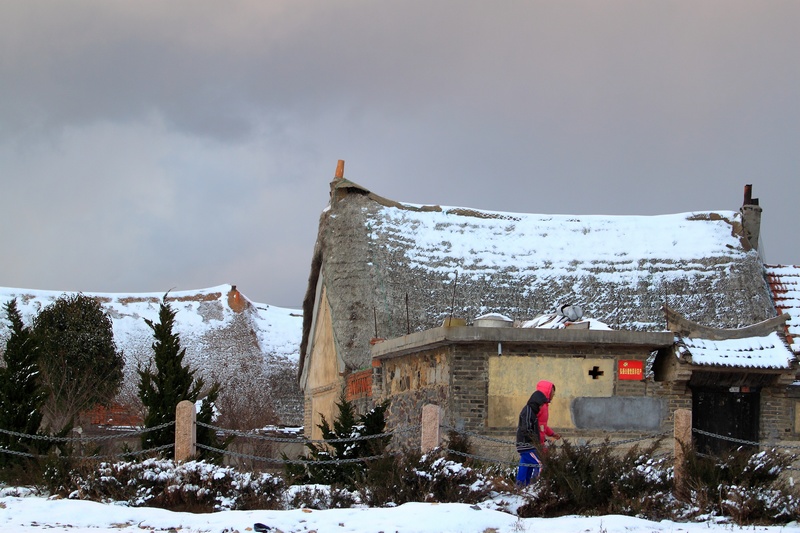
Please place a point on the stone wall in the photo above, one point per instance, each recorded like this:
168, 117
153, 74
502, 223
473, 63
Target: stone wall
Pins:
410, 382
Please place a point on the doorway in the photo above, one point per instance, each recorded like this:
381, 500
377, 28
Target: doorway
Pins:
729, 412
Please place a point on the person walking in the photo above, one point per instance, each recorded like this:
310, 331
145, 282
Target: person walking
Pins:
530, 435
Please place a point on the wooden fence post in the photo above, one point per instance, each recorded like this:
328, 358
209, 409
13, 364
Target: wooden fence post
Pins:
430, 434
185, 431
683, 443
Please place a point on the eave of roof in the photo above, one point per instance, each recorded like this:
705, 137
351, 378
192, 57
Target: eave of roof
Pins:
432, 338
765, 352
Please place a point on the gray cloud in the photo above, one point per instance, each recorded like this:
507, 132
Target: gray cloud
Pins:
146, 145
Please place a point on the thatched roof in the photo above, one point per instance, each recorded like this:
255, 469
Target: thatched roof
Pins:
250, 348
390, 268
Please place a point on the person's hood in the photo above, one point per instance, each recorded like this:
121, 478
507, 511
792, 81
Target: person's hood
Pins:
546, 388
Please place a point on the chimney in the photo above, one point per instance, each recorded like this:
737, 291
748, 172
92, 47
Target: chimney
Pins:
337, 193
235, 300
751, 217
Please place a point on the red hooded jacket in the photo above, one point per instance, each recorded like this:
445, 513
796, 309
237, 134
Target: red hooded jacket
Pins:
546, 388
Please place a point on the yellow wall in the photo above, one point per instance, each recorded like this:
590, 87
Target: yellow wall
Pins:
797, 417
513, 379
324, 383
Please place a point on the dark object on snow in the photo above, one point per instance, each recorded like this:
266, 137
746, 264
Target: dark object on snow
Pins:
261, 528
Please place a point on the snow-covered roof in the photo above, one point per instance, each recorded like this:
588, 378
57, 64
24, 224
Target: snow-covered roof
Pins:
769, 351
399, 267
483, 242
785, 283
227, 337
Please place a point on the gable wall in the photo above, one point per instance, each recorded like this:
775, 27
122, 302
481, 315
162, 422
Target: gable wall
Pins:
324, 385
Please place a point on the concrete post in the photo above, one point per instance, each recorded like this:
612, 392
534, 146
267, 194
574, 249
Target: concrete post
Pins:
431, 433
185, 431
683, 443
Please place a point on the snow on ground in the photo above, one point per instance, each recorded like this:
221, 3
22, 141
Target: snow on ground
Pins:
37, 514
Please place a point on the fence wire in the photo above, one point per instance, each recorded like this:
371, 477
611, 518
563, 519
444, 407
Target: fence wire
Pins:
134, 453
257, 435
88, 440
229, 453
99, 438
745, 442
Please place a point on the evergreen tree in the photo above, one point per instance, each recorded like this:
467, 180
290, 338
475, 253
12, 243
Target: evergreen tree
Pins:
78, 358
21, 397
171, 382
348, 428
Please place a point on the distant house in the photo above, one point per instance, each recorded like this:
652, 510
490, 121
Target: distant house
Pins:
250, 348
399, 295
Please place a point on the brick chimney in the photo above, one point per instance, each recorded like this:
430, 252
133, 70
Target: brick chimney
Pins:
236, 301
336, 192
751, 217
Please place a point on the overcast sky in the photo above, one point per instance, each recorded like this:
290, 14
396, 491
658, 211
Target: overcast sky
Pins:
149, 145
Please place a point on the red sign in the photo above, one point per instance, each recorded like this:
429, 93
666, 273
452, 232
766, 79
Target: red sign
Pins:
628, 369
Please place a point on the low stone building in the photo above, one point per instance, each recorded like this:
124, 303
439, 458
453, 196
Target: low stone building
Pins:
482, 376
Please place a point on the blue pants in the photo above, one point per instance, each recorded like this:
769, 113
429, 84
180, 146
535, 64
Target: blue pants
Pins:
529, 467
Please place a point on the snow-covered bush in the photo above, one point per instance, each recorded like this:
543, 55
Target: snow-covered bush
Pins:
410, 477
744, 485
596, 479
191, 486
587, 479
320, 497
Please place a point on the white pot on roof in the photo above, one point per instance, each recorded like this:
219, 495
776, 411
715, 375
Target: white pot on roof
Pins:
493, 320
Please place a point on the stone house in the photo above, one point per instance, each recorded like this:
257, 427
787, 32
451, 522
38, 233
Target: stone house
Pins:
464, 308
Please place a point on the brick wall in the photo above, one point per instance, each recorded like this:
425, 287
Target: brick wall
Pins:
469, 389
359, 385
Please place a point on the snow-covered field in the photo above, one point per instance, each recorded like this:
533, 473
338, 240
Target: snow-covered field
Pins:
27, 514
